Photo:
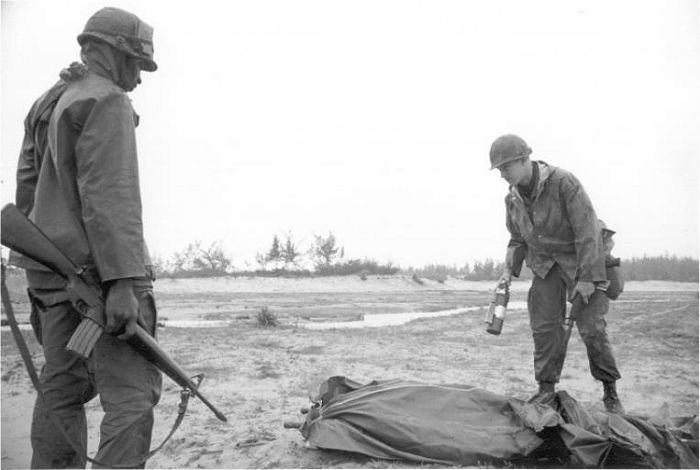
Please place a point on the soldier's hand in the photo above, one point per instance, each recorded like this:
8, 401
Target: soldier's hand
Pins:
505, 278
585, 289
121, 309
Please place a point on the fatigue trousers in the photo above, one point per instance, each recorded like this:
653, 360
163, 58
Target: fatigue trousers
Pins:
129, 386
546, 305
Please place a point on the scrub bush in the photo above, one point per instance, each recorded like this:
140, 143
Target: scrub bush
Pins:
266, 318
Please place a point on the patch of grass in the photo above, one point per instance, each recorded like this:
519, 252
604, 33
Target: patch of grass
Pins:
310, 350
266, 343
267, 371
266, 318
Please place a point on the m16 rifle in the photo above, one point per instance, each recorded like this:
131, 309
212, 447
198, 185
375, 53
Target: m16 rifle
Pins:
18, 233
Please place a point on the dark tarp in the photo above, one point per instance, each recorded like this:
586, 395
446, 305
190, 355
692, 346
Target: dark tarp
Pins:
463, 425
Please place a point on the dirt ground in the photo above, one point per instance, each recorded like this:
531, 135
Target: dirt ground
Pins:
261, 376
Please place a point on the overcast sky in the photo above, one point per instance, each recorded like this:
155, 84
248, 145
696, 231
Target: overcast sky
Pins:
373, 119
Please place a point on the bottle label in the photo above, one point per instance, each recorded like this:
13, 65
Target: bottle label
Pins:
500, 311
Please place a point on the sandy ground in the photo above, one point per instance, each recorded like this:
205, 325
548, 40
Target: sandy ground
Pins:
260, 377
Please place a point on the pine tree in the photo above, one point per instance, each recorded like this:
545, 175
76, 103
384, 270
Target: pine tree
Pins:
325, 249
274, 254
289, 251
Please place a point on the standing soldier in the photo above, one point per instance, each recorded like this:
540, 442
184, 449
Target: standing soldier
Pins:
554, 228
78, 181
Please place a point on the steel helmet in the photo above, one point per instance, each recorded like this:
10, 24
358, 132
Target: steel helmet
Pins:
123, 31
508, 148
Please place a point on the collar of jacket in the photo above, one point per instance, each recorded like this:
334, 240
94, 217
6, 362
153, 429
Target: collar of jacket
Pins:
545, 172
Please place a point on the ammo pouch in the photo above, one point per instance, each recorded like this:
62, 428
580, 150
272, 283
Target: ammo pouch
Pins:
614, 276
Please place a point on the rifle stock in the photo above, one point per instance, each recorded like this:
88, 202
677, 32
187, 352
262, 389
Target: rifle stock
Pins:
21, 235
18, 233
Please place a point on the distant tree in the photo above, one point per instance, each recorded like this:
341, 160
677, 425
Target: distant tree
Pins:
325, 249
486, 270
160, 266
214, 258
261, 260
480, 270
274, 254
184, 260
196, 259
289, 252
273, 259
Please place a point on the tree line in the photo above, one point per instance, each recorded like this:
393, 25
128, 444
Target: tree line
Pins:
646, 268
325, 257
661, 268
284, 257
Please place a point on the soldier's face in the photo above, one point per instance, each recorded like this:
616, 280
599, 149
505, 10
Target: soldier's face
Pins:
132, 73
516, 172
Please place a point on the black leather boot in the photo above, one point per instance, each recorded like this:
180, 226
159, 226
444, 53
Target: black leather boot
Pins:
544, 395
611, 400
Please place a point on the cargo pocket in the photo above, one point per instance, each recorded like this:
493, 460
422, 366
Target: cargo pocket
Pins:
40, 301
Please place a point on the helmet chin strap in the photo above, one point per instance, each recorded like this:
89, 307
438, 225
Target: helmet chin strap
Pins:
129, 72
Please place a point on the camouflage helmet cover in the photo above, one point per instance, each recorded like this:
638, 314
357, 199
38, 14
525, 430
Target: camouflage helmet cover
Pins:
508, 148
123, 31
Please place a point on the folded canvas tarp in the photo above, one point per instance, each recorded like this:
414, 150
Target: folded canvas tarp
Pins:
464, 425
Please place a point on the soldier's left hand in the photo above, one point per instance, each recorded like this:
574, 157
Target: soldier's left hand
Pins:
585, 289
121, 309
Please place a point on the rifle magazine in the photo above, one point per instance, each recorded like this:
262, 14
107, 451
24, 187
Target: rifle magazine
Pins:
85, 337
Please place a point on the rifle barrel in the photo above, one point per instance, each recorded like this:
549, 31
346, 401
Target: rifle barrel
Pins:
145, 342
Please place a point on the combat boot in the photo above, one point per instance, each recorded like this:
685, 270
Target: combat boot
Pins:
611, 400
544, 395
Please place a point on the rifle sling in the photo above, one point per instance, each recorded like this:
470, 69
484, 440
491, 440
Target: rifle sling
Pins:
29, 364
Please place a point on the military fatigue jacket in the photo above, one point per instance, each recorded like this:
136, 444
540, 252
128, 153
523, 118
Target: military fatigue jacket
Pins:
85, 194
558, 225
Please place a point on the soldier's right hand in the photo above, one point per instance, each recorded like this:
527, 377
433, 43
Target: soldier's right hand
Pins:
505, 278
121, 309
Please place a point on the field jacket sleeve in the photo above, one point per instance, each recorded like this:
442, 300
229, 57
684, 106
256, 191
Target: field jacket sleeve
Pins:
588, 242
517, 248
108, 183
27, 172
